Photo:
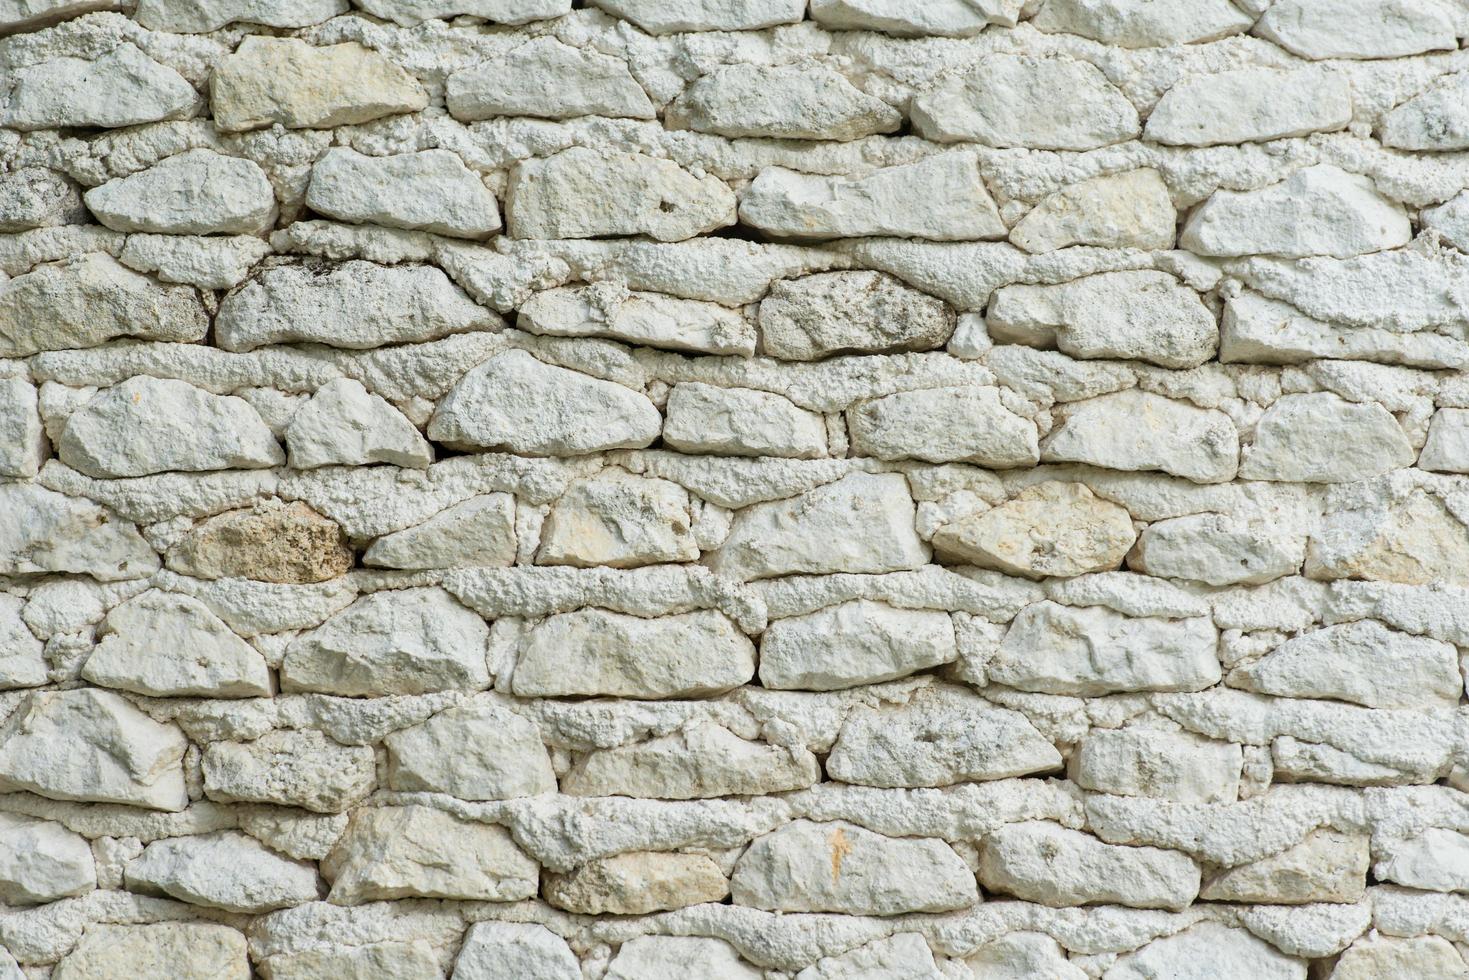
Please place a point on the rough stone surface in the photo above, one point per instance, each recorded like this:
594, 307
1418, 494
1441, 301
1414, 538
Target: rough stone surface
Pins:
198, 192
447, 198
1247, 105
166, 950
852, 643
291, 545
836, 312
1050, 529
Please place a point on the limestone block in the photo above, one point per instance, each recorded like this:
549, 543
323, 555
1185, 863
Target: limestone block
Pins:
410, 13
290, 768
35, 197
943, 425
161, 950
672, 957
510, 950
431, 190
1380, 957
1323, 438
1436, 119
1437, 859
637, 883
1328, 866
1138, 430
836, 312
620, 521
702, 418
1157, 763
1207, 951
607, 309
197, 192
475, 751
21, 660
1414, 540
945, 18
290, 544
42, 861
903, 955
1127, 210
474, 533
1141, 24
665, 17
699, 761
1218, 550
803, 102
548, 79
123, 87
205, 16
1042, 862
1358, 28
23, 444
1245, 105
415, 960
853, 643
226, 870
1022, 955
346, 425
45, 531
1447, 447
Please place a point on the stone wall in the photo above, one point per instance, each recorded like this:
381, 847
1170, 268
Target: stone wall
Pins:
683, 489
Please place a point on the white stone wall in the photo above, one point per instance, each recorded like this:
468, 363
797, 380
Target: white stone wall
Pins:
684, 489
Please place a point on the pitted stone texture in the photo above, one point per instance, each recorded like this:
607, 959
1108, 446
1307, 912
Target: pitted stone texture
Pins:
1217, 550
659, 17
289, 768
607, 309
1022, 955
475, 533
1207, 951
702, 760
23, 446
943, 425
836, 312
415, 960
1323, 438
123, 87
945, 18
410, 13
42, 861
1328, 866
1380, 957
289, 545
1433, 120
35, 197
1127, 210
803, 102
431, 190
671, 957
1246, 105
205, 16
163, 950
1322, 29
637, 883
1157, 763
226, 870
618, 520
346, 425
1138, 430
703, 418
476, 751
21, 660
45, 531
853, 643
1051, 865
198, 192
549, 79
510, 950
1447, 448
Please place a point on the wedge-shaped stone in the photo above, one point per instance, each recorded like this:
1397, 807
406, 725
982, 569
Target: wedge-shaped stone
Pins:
1328, 866
515, 402
164, 644
1126, 210
1362, 662
703, 418
548, 79
1166, 765
224, 870
415, 960
35, 197
356, 305
1207, 951
290, 768
583, 193
431, 190
596, 652
89, 300
410, 13
1247, 105
1256, 330
197, 192
346, 425
1322, 29
23, 446
1022, 955
664, 17
802, 102
637, 883
160, 950
45, 531
1050, 529
943, 425
1437, 119
863, 312
1323, 438
22, 663
401, 641
1091, 651
1018, 100
942, 18
206, 16
1320, 210
1138, 430
1450, 219
41, 861
940, 198
669, 957
941, 736
507, 950
476, 533
124, 87
620, 521
701, 760
1140, 315
288, 545
395, 852
862, 523
475, 751
1447, 447
840, 867
153, 425
852, 643
1436, 859
1382, 957
287, 81
609, 309
1218, 549
92, 746
1142, 23
1042, 862
904, 955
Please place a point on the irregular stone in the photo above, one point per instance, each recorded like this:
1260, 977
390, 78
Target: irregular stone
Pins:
289, 768
418, 852
88, 300
45, 531
904, 955
474, 533
290, 545
943, 425
475, 751
548, 79
637, 883
431, 190
1138, 430
1450, 219
357, 305
702, 418
1022, 101
42, 861
207, 16
226, 870
941, 736
513, 401
35, 197
163, 644
1021, 956
1257, 330
21, 661
1092, 651
1048, 530
852, 643
801, 102
1142, 24
1218, 550
661, 17
608, 309
595, 652
1328, 866
1433, 120
197, 192
400, 641
1207, 951
670, 957
154, 425
1362, 662
701, 760
863, 312
1165, 765
415, 960
1126, 210
620, 521
218, 262
23, 444
1247, 105
92, 746
124, 87
1039, 861
159, 950
1415, 541
1139, 315
24, 16
862, 523
410, 13
1322, 29
346, 425
1436, 859
840, 867
1447, 448
940, 198
1323, 438
511, 950
1382, 957
944, 18
287, 81
583, 193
